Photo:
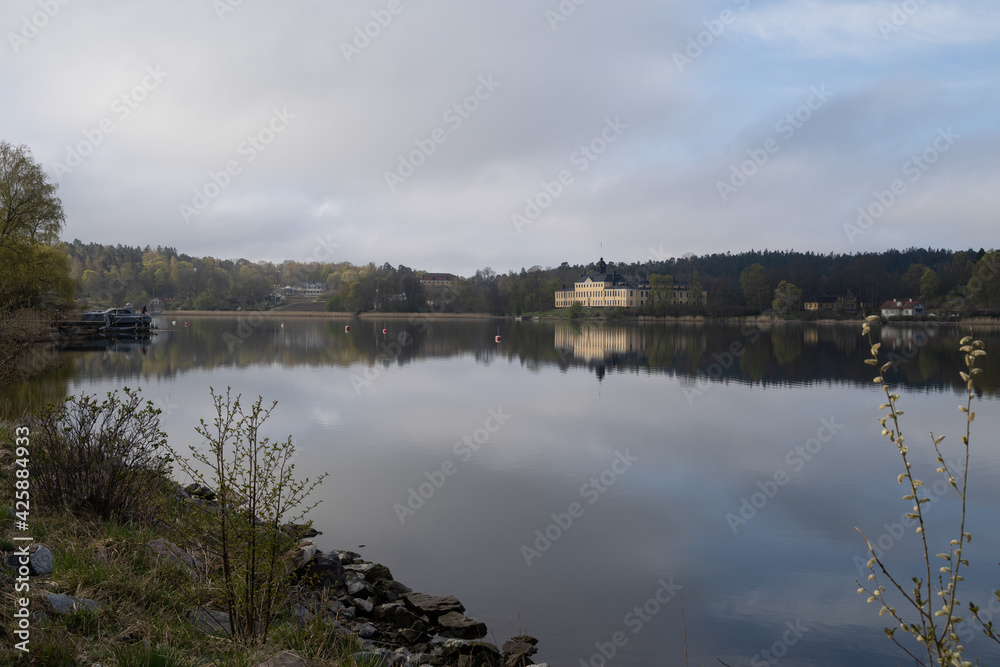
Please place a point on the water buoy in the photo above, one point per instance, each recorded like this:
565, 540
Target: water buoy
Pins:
385, 331
185, 324
174, 322
282, 325
498, 338
347, 329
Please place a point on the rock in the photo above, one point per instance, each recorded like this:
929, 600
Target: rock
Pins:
411, 636
348, 557
400, 657
364, 605
284, 659
378, 573
431, 605
301, 530
200, 491
41, 560
365, 630
212, 622
358, 587
391, 590
459, 626
67, 604
322, 572
171, 552
302, 554
518, 650
362, 568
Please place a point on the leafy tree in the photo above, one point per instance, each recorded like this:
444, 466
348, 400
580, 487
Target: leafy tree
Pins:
787, 298
753, 282
30, 212
984, 285
929, 284
33, 272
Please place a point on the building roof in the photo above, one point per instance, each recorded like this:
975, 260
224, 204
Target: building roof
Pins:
901, 304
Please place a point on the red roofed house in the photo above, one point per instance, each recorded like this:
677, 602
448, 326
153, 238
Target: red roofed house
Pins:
901, 308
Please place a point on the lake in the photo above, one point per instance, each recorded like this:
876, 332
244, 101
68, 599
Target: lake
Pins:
575, 481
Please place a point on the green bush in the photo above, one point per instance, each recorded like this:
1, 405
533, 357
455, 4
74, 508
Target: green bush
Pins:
101, 457
256, 493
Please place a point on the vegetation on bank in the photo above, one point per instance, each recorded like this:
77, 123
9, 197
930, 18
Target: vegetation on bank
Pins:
100, 492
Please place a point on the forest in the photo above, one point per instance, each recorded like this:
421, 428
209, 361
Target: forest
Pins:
736, 283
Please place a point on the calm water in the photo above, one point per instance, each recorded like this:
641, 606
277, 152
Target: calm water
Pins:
630, 449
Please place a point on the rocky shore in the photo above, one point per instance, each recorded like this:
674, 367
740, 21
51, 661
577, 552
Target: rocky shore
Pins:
401, 626
396, 625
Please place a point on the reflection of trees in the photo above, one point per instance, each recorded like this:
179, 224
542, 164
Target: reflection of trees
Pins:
787, 344
767, 355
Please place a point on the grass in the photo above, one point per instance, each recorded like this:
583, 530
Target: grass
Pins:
145, 604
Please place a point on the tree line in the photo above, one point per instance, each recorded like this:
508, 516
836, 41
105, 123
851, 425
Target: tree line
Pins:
741, 283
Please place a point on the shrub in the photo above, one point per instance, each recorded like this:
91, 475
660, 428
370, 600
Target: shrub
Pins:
256, 493
931, 608
101, 457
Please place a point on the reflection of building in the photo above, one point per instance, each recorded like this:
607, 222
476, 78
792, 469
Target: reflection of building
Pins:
901, 308
597, 342
604, 289
841, 304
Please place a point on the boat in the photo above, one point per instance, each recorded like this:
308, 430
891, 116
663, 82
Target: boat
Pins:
119, 319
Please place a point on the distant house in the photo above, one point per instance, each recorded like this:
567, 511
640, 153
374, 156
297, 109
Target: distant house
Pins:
604, 289
843, 304
437, 280
305, 289
902, 308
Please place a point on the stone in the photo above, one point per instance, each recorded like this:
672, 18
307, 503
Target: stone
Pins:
357, 587
322, 572
67, 604
400, 657
169, 551
300, 530
365, 630
362, 568
459, 626
212, 622
518, 650
200, 491
348, 557
302, 554
285, 659
378, 573
411, 636
364, 605
41, 561
391, 590
433, 606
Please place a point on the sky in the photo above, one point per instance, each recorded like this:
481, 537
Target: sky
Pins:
453, 135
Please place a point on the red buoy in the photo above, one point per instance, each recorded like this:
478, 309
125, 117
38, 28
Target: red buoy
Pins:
498, 338
385, 331
347, 329
185, 324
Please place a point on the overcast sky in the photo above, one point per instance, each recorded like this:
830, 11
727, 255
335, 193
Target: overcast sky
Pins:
655, 127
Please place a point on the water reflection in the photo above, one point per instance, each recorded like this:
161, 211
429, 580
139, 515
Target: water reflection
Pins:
764, 392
